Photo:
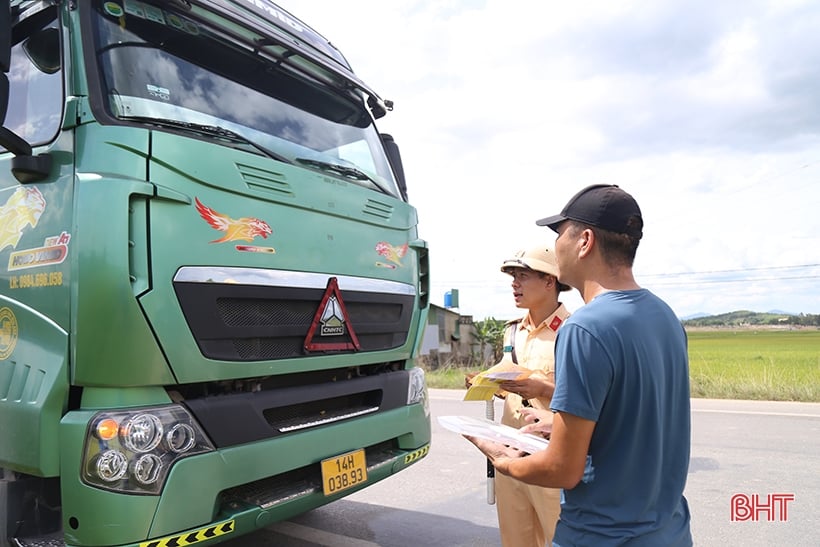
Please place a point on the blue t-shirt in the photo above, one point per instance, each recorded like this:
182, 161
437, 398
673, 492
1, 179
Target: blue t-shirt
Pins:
621, 361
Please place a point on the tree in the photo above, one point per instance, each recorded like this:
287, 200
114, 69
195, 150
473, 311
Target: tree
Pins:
489, 332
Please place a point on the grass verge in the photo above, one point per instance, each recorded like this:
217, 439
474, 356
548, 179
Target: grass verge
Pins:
770, 365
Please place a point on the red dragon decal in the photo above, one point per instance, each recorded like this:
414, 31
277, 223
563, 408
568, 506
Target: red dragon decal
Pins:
242, 229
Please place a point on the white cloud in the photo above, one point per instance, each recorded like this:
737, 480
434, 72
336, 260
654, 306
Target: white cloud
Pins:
706, 112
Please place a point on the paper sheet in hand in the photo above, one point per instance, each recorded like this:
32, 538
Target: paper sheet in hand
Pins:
482, 389
504, 376
493, 431
486, 384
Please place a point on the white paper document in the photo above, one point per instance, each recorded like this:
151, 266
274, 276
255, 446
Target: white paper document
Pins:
493, 431
503, 376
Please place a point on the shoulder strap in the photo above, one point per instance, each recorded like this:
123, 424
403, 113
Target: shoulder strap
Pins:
513, 328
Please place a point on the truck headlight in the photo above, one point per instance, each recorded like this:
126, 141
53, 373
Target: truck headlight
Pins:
417, 389
132, 451
141, 433
110, 465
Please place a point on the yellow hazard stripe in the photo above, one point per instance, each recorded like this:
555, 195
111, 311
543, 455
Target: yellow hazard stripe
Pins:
417, 455
194, 537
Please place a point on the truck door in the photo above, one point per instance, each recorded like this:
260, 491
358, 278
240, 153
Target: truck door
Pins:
35, 211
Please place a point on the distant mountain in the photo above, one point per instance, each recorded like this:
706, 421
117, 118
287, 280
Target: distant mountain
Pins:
694, 316
781, 312
746, 317
736, 314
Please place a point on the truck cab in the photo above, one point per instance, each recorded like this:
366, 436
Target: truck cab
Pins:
212, 288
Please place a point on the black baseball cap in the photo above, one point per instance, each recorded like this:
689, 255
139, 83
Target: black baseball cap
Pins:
604, 206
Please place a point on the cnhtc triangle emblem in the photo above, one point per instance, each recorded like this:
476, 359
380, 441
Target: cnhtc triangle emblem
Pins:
331, 320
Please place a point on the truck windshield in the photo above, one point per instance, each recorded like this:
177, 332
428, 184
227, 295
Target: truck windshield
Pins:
196, 69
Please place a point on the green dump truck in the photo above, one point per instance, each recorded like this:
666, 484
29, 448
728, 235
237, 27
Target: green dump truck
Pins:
212, 288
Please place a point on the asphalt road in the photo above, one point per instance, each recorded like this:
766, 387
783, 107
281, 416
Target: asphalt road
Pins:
740, 449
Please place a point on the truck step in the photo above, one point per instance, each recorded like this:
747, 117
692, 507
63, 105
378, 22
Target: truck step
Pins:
50, 540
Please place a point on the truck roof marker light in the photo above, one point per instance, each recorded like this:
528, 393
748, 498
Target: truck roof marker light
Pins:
106, 429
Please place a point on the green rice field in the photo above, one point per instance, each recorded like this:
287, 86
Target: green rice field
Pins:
765, 364
774, 365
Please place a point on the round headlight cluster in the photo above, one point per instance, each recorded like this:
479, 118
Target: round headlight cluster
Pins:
132, 451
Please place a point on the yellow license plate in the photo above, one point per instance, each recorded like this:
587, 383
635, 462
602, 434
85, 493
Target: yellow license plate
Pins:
343, 472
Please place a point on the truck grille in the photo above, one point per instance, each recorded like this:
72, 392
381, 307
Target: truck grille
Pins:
278, 410
269, 318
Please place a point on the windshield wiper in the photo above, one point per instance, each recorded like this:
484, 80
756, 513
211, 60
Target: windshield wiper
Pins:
344, 171
212, 130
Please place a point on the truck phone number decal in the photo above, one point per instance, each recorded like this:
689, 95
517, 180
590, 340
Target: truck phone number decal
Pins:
27, 281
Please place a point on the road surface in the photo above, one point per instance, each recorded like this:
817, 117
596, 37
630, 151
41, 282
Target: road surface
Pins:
739, 448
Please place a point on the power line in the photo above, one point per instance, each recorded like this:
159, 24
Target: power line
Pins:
739, 270
737, 280
472, 284
775, 177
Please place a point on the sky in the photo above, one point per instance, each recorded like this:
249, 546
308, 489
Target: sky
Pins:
707, 112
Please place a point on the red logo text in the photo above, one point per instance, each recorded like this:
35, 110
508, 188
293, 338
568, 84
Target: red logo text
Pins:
770, 508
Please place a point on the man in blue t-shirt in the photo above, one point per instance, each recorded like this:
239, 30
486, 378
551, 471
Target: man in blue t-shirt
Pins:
619, 445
